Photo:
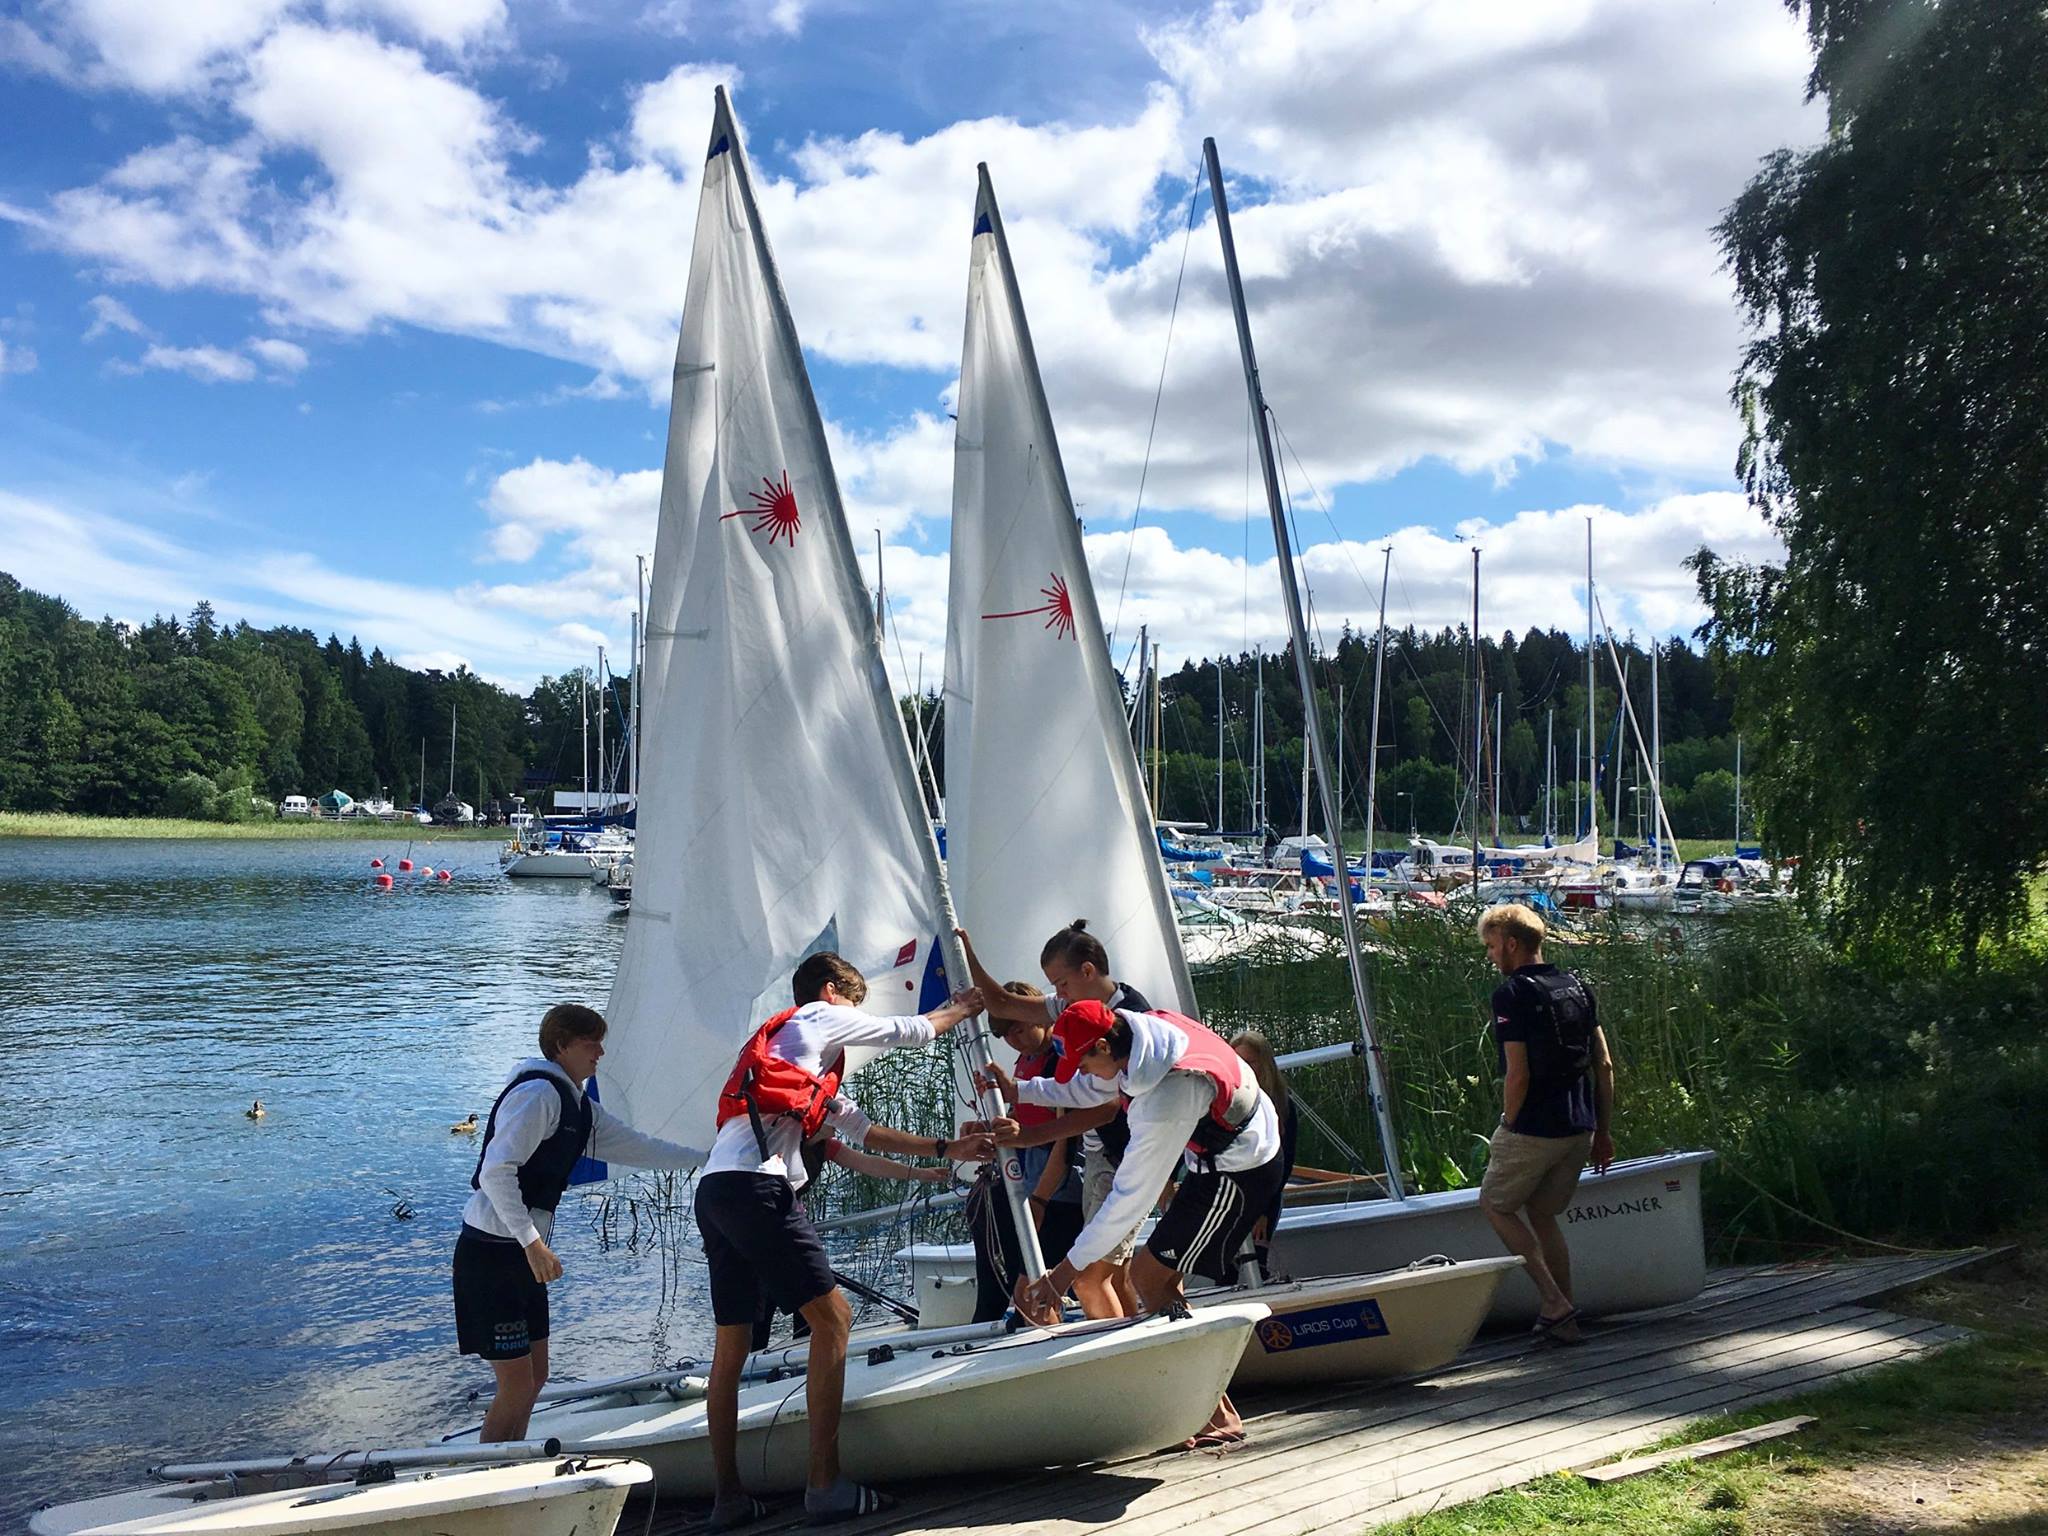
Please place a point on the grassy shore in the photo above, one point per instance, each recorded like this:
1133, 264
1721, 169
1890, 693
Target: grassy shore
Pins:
297, 829
1955, 1441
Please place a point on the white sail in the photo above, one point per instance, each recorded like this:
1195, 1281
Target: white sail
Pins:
1046, 818
778, 812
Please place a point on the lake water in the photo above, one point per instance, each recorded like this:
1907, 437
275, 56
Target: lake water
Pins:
179, 1280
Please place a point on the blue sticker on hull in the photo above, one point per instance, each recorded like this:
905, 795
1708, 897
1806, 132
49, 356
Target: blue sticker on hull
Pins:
1342, 1324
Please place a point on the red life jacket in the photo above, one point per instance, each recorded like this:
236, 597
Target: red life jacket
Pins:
1237, 1088
1029, 1067
762, 1083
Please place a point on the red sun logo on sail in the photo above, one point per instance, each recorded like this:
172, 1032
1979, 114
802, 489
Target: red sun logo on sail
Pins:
774, 511
1058, 608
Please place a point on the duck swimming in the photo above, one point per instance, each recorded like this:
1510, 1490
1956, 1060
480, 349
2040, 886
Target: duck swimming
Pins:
256, 1111
465, 1126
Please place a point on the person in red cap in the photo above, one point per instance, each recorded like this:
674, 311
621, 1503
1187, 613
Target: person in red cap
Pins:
1188, 1097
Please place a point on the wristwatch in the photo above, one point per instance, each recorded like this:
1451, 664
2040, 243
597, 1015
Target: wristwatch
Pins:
938, 1146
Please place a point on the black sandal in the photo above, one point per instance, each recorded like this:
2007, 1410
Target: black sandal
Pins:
866, 1501
732, 1514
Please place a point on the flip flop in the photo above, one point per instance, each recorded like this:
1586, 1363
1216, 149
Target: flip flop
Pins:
1563, 1329
1214, 1440
732, 1514
866, 1501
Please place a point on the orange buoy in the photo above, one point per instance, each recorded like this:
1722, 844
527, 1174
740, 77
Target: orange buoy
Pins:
444, 874
383, 882
405, 863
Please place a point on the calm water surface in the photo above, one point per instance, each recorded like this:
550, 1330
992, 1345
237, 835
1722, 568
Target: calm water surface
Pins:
176, 1279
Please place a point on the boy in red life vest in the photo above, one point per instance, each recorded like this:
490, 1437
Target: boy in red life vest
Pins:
759, 1243
1188, 1097
543, 1121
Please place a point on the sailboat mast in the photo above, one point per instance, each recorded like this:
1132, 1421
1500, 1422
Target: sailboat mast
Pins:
639, 659
1549, 775
1498, 699
1592, 733
1372, 756
1375, 1066
1259, 741
604, 699
1656, 741
1738, 792
1478, 723
451, 752
1158, 729
1219, 742
583, 706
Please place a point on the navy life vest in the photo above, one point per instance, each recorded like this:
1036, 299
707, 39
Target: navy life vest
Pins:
1566, 1007
544, 1175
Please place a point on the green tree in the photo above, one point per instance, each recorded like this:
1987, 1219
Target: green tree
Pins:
1895, 395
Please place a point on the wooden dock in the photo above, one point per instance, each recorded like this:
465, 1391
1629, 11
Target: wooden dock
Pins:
1507, 1411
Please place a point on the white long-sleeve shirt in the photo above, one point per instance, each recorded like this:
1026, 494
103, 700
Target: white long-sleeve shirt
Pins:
815, 1034
529, 1115
1166, 1105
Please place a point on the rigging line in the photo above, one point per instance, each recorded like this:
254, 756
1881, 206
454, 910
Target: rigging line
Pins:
1159, 394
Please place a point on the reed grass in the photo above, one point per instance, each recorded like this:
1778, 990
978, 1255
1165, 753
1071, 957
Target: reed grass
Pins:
1900, 1103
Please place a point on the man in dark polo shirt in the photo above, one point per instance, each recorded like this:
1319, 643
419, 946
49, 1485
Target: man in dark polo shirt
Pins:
1557, 1107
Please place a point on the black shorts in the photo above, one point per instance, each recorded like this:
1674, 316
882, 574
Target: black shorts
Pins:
501, 1311
760, 1245
1211, 1219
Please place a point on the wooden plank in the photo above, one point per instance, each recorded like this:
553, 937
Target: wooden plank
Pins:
1242, 1477
1297, 1483
1699, 1450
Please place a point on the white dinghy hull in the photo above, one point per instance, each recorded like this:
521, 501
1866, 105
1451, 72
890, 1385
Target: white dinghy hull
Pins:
1021, 1401
1634, 1232
555, 1497
1367, 1327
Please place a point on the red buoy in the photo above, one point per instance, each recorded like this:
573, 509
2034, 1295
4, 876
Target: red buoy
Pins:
405, 863
383, 882
376, 863
444, 874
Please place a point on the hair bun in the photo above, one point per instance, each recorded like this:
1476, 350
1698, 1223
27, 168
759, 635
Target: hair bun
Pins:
1078, 925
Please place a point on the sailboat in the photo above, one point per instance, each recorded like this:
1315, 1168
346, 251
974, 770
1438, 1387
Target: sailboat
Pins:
1635, 1230
1048, 818
783, 818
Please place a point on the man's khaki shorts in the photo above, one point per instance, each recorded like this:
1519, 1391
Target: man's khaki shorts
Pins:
1534, 1173
1095, 1183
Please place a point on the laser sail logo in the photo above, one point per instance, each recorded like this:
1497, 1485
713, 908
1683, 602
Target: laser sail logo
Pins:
1058, 608
774, 511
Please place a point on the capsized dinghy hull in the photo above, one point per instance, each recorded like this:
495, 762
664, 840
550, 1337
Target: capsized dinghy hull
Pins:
1366, 1327
923, 1412
1634, 1232
555, 1497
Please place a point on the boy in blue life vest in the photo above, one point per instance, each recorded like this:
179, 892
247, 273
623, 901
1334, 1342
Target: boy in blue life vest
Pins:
1557, 1107
759, 1243
542, 1122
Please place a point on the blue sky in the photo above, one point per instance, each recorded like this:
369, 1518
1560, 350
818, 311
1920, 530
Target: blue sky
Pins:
357, 313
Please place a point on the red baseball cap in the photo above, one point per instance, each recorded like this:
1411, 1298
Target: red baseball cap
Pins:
1078, 1027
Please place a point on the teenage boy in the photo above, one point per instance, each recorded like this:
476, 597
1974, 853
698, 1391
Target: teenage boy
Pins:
758, 1241
542, 1122
1189, 1098
1557, 1107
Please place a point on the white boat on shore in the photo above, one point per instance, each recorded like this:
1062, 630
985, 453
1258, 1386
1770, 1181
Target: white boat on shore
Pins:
362, 1496
1634, 1230
916, 1406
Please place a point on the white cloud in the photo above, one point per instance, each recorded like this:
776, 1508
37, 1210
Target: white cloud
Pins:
16, 359
282, 356
210, 365
166, 48
110, 314
451, 24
